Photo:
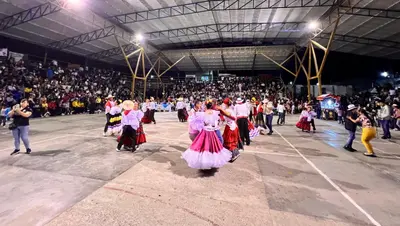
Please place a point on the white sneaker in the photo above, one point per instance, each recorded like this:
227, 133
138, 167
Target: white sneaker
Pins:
118, 150
104, 134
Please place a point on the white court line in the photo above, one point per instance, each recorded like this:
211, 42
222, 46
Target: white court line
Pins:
53, 138
373, 221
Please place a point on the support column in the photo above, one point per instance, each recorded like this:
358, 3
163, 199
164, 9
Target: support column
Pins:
45, 58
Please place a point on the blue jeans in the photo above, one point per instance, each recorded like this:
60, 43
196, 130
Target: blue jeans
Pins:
268, 121
219, 135
21, 132
386, 128
352, 136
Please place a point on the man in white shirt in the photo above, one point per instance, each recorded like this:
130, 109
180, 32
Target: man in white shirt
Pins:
242, 113
281, 114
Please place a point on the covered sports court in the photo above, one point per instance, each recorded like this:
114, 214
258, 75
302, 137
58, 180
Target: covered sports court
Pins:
75, 177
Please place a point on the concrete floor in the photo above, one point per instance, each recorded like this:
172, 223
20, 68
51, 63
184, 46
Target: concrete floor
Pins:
75, 177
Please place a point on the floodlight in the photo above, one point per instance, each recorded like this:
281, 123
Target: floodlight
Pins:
291, 83
152, 76
313, 25
384, 74
75, 3
139, 37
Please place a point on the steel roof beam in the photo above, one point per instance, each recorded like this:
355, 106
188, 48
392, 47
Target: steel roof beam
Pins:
32, 14
217, 5
83, 38
222, 5
223, 58
363, 41
225, 27
195, 63
113, 51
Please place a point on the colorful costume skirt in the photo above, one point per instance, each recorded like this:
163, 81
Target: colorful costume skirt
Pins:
231, 138
147, 117
207, 152
140, 138
181, 115
303, 124
114, 124
253, 131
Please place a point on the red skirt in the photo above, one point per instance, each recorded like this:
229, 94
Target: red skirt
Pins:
231, 138
146, 118
140, 138
251, 126
303, 124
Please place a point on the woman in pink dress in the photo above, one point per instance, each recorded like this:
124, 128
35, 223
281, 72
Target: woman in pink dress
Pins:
207, 151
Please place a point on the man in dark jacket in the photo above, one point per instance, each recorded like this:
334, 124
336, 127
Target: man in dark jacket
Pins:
350, 126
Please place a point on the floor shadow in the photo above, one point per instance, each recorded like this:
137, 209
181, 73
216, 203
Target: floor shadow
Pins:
49, 153
208, 172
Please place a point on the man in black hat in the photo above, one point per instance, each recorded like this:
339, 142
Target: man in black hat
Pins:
350, 126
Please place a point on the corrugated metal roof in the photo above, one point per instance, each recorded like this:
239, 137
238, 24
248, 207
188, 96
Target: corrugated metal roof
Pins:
206, 24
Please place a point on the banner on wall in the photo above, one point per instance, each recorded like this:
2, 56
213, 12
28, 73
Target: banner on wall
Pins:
3, 52
16, 56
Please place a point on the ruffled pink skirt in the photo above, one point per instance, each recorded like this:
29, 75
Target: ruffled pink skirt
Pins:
207, 152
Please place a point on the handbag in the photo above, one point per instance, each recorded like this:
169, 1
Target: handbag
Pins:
12, 126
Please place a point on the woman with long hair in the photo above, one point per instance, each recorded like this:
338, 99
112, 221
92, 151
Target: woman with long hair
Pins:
368, 131
206, 151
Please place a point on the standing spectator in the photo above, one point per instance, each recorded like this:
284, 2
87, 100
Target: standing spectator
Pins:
20, 129
386, 117
396, 116
3, 115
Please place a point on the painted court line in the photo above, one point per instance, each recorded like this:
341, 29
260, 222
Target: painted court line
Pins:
373, 221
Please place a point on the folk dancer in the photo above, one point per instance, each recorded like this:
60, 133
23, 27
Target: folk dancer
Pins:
206, 151
242, 113
281, 114
147, 112
140, 135
130, 121
114, 124
269, 115
195, 120
180, 106
109, 104
231, 136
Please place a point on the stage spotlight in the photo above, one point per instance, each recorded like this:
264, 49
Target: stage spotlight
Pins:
313, 25
384, 74
139, 37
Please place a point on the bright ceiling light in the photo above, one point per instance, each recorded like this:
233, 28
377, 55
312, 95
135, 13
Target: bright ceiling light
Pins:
313, 25
384, 74
139, 37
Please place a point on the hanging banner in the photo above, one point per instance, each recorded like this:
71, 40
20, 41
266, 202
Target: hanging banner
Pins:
4, 52
16, 56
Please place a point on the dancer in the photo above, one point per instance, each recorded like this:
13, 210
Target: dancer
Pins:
109, 104
147, 112
304, 121
242, 114
195, 120
152, 110
259, 117
231, 132
114, 124
351, 126
206, 151
368, 131
140, 135
130, 121
180, 106
269, 114
312, 115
